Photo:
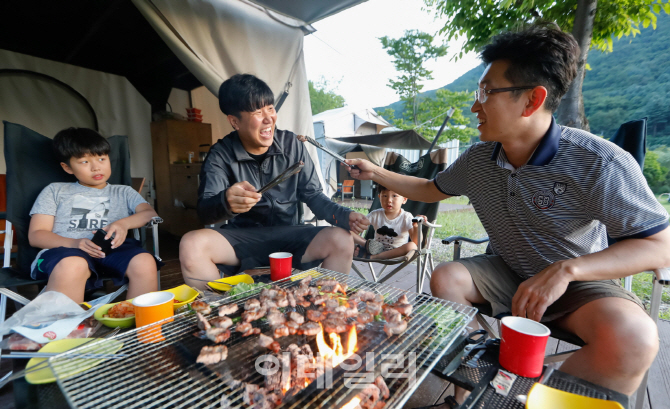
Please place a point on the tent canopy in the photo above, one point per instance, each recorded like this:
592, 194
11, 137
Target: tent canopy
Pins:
114, 37
393, 140
308, 11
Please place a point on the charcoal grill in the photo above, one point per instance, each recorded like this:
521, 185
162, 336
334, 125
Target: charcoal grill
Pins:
165, 374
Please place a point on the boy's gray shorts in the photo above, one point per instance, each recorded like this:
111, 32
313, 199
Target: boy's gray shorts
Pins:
498, 283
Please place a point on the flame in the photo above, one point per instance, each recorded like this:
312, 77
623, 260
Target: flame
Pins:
336, 355
354, 403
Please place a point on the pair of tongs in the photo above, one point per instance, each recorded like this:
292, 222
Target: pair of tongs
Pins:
295, 168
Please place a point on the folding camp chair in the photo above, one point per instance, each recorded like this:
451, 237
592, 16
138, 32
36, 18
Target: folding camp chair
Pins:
347, 188
428, 166
31, 166
631, 136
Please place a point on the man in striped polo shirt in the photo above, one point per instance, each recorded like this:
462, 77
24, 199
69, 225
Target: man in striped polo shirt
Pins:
548, 196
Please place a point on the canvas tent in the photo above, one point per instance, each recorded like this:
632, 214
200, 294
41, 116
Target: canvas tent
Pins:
346, 129
113, 63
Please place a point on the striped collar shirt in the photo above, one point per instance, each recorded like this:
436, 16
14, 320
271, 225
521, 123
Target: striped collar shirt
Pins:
575, 188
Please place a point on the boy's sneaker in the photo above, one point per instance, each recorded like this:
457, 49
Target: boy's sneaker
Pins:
374, 247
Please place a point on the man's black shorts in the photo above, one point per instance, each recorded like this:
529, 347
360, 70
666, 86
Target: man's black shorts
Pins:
253, 245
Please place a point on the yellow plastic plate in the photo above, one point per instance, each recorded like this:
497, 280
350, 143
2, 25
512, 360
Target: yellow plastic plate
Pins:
300, 276
183, 293
45, 375
545, 397
225, 284
113, 322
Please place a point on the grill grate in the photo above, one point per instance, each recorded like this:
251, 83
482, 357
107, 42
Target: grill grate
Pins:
164, 374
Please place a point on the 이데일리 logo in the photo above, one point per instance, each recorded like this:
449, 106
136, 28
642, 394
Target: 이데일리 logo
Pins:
543, 199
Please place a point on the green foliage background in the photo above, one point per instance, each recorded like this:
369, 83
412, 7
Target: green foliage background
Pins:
631, 82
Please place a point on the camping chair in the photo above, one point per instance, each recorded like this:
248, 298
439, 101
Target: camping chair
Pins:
31, 166
631, 136
347, 188
427, 167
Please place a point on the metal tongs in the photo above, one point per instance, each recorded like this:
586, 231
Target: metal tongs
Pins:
328, 151
295, 168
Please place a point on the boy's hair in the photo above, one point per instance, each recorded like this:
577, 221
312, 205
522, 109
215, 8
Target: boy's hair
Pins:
77, 142
540, 54
381, 188
244, 93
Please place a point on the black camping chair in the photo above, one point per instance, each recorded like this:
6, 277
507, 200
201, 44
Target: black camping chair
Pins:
428, 166
31, 166
632, 137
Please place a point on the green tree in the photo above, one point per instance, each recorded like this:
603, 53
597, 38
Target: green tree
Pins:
431, 113
409, 53
654, 172
322, 96
592, 25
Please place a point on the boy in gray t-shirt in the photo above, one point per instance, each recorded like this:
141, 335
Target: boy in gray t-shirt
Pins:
66, 215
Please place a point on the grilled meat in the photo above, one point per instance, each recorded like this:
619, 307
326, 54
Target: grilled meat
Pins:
364, 296
395, 327
212, 354
304, 303
296, 317
227, 309
276, 319
331, 304
269, 343
402, 299
364, 317
309, 329
321, 299
252, 305
383, 389
248, 316
202, 322
281, 331
404, 309
292, 327
369, 396
246, 329
218, 335
335, 325
305, 281
291, 299
336, 288
201, 307
373, 308
315, 315
222, 322
391, 314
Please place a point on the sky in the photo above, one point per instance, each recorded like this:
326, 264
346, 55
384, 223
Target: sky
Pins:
346, 49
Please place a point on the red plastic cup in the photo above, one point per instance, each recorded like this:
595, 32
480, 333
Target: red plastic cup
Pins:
280, 265
522, 346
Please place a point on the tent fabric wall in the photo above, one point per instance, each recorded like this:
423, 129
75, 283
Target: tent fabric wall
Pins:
233, 37
47, 108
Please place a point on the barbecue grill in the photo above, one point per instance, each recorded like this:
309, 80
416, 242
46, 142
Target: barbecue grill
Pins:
165, 374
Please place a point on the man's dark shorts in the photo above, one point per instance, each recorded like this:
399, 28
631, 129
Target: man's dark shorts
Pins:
113, 265
253, 245
498, 283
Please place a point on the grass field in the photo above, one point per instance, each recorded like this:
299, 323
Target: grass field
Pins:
466, 223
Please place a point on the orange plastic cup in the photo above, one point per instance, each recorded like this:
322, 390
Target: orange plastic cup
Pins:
149, 309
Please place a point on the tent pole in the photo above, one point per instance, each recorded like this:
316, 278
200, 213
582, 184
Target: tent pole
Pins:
449, 114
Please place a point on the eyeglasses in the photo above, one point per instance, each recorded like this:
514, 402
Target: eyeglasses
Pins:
481, 94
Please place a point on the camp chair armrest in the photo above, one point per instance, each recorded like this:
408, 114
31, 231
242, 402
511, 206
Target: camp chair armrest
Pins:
429, 224
153, 221
662, 275
452, 239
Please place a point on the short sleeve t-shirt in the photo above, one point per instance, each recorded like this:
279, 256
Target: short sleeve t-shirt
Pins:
79, 210
575, 190
391, 233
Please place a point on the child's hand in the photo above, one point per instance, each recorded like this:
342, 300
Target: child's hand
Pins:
89, 247
425, 219
121, 231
